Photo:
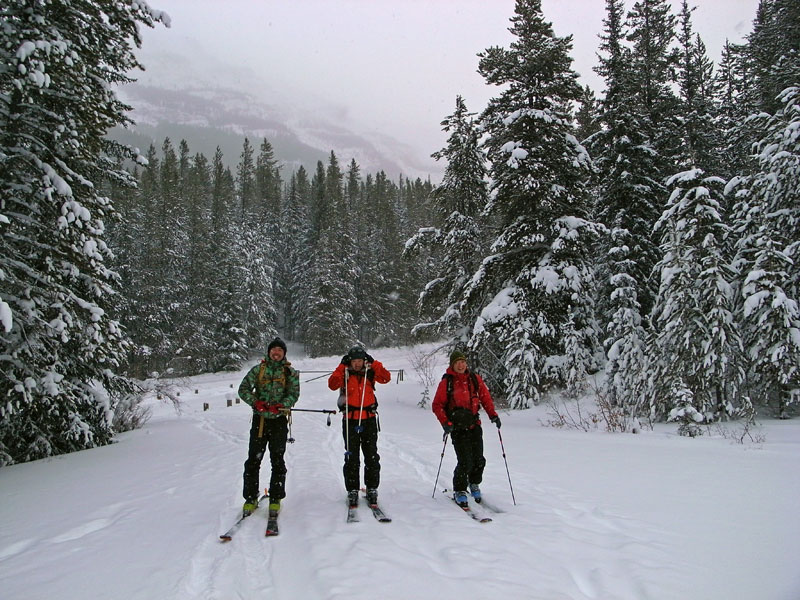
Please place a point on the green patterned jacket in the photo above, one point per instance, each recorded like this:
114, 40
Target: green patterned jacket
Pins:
274, 382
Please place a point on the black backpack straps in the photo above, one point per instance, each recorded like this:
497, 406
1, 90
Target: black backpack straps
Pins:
449, 379
475, 383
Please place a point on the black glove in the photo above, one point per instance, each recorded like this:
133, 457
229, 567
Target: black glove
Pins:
370, 359
496, 420
346, 359
448, 428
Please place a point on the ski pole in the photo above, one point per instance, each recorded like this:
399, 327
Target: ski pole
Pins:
346, 417
435, 483
289, 423
314, 410
506, 461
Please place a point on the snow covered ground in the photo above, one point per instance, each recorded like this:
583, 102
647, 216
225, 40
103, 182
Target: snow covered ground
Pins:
598, 516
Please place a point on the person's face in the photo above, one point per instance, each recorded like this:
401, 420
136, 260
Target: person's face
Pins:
460, 366
357, 364
277, 353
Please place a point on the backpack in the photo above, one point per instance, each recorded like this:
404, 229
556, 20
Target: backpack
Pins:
261, 378
461, 418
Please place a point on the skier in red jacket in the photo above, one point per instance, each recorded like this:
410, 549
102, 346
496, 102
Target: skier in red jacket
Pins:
458, 398
356, 377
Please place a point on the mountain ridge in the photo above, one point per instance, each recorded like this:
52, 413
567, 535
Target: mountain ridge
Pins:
208, 116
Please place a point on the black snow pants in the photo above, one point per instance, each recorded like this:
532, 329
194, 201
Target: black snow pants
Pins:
468, 444
275, 433
366, 442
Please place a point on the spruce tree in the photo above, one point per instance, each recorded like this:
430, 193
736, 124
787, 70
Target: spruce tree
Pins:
629, 189
228, 335
295, 254
626, 383
62, 345
538, 276
328, 308
697, 345
455, 248
253, 258
768, 252
701, 140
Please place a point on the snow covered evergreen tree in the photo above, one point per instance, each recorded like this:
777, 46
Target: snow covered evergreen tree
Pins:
626, 342
729, 87
228, 335
61, 342
697, 345
652, 69
630, 190
768, 252
328, 324
457, 245
701, 139
295, 254
198, 350
538, 275
254, 257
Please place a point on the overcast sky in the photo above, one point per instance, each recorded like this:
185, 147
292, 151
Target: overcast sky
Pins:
393, 66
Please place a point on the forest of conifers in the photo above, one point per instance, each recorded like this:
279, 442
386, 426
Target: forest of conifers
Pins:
646, 232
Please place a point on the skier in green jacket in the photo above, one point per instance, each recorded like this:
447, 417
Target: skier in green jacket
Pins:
271, 387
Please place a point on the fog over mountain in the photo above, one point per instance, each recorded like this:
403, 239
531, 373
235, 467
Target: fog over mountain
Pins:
183, 101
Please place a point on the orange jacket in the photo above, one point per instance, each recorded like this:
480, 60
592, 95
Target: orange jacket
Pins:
355, 388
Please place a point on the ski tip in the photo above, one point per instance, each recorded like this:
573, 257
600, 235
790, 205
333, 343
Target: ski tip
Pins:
225, 538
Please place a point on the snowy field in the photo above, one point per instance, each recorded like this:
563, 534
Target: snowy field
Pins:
598, 516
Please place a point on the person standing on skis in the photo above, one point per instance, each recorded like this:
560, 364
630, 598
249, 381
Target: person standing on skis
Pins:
355, 378
271, 388
458, 398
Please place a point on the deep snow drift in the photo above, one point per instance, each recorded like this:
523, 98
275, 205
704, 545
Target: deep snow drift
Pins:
598, 516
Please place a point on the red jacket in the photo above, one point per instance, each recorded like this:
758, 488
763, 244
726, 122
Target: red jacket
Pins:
355, 388
464, 396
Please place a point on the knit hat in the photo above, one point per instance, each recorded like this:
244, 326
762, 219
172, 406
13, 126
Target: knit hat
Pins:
457, 355
277, 343
357, 352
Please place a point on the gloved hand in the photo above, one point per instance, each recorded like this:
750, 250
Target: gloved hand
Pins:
448, 428
274, 408
370, 359
261, 406
346, 360
496, 420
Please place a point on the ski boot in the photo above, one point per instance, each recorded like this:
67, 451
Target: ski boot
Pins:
475, 491
249, 506
352, 498
372, 496
274, 506
461, 499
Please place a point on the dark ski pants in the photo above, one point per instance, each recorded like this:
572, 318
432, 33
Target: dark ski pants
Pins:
468, 444
274, 433
366, 442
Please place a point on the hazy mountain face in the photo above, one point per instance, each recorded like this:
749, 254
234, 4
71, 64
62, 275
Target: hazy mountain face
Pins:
207, 116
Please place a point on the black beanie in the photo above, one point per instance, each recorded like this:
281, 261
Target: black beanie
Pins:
277, 343
357, 352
